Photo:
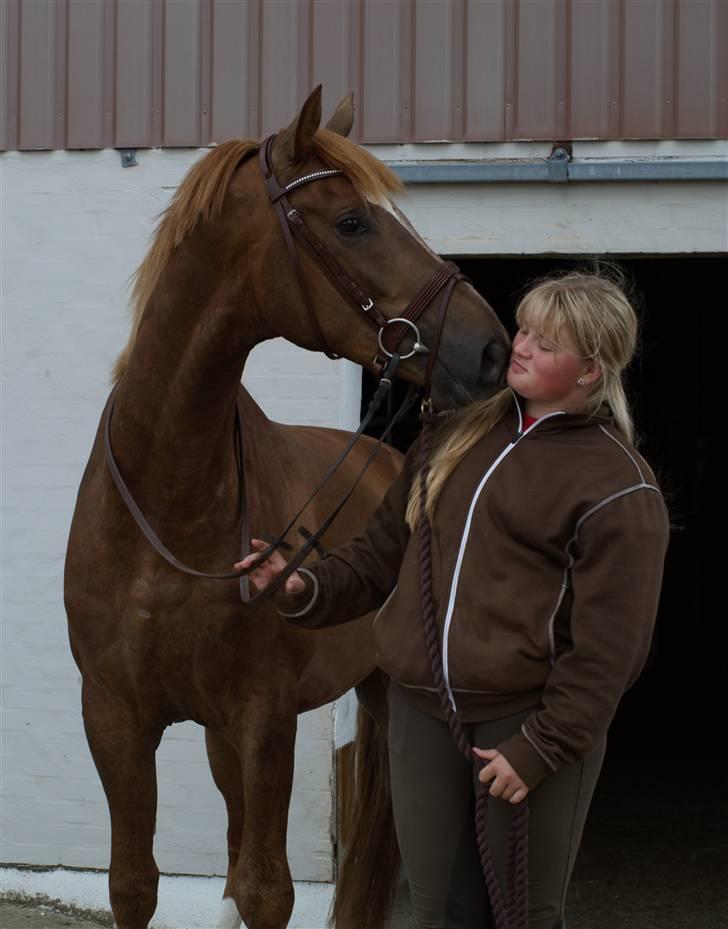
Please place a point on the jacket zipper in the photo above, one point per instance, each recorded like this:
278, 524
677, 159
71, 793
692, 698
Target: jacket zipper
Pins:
463, 542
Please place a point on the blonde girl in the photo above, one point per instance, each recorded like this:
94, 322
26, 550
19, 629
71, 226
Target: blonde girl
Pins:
549, 535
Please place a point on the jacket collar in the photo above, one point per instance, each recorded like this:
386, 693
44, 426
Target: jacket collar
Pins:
562, 420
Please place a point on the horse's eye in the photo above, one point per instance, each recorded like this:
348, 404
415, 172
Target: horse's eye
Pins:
350, 226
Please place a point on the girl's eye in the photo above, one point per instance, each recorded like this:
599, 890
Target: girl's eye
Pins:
545, 348
350, 226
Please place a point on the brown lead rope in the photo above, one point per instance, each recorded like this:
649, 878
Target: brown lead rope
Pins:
511, 912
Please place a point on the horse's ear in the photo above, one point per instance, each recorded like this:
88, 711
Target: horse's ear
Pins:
294, 143
343, 118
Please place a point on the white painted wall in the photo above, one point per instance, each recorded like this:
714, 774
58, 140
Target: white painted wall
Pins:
74, 227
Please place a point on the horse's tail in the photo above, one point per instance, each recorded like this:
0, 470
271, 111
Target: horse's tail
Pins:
368, 871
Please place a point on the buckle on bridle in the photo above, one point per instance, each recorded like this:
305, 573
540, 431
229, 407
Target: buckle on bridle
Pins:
368, 305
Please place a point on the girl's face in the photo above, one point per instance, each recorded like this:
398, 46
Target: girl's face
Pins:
546, 374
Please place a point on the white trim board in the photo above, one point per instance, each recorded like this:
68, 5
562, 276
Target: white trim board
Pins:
536, 219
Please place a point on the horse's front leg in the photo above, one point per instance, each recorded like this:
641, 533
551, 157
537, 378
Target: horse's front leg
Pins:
225, 768
125, 759
263, 887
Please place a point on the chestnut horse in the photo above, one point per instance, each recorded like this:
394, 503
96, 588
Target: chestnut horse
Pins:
155, 646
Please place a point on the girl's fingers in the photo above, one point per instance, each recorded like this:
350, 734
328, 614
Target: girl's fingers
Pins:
295, 584
488, 773
275, 561
248, 560
505, 781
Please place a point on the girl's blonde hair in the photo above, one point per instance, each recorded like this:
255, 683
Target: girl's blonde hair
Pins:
595, 312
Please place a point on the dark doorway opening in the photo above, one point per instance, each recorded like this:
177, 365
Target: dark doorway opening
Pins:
655, 849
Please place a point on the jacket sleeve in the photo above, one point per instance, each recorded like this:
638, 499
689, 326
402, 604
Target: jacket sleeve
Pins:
616, 578
357, 577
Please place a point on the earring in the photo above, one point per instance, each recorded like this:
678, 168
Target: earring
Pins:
580, 381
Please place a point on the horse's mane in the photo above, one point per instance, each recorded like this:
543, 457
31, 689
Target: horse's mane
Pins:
201, 194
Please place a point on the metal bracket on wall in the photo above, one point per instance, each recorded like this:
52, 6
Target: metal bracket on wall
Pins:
128, 157
558, 162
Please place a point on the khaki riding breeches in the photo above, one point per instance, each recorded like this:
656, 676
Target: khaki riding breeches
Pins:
433, 793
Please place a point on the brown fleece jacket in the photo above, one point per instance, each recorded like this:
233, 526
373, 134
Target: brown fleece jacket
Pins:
548, 548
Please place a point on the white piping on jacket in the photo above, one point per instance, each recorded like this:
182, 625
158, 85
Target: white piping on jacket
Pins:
567, 548
597, 506
552, 619
389, 597
626, 452
643, 485
535, 746
463, 542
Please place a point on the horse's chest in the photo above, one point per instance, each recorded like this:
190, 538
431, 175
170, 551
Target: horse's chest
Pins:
153, 592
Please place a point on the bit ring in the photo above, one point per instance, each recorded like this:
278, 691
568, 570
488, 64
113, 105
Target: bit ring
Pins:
408, 322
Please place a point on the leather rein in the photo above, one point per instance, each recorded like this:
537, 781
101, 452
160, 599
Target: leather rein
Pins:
390, 333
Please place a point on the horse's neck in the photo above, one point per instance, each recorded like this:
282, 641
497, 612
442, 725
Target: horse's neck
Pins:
175, 408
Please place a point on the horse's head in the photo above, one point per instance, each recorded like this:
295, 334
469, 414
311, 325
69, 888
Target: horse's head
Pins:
351, 214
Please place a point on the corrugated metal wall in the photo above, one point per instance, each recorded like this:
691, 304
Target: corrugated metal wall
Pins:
138, 73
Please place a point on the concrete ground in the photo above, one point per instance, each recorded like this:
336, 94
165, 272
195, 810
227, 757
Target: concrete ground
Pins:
56, 898
594, 903
60, 899
33, 916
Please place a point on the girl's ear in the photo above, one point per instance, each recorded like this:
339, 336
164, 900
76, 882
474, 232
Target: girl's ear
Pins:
592, 373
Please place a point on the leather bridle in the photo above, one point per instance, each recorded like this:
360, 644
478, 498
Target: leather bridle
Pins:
390, 333
293, 226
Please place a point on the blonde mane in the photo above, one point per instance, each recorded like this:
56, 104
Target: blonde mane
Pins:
201, 194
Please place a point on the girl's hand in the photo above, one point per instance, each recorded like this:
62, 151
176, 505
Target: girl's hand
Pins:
269, 569
506, 783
